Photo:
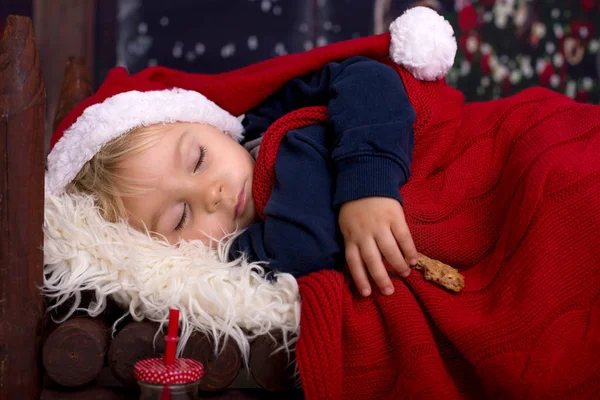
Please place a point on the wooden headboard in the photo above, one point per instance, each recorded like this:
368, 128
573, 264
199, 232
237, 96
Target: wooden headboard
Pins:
22, 109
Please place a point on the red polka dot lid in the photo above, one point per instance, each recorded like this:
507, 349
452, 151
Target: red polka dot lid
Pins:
169, 370
154, 371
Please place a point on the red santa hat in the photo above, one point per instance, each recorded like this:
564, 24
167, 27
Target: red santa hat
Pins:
421, 40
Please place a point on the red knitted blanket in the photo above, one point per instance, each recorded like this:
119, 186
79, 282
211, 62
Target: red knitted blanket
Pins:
509, 192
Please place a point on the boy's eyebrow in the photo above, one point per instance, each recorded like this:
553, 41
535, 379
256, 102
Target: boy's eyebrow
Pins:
178, 150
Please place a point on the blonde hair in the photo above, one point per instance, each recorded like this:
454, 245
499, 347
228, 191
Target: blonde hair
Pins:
101, 177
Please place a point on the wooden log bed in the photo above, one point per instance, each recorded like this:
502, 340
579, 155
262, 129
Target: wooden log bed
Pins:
80, 358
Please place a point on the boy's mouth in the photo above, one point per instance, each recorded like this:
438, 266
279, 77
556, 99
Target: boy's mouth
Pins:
241, 203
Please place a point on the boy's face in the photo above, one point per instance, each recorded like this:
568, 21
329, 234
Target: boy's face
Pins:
200, 182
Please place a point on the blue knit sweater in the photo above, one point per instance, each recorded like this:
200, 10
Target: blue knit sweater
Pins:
363, 150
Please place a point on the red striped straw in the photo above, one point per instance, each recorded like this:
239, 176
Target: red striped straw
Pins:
171, 339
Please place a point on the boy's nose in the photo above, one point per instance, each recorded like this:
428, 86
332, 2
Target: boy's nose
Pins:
213, 197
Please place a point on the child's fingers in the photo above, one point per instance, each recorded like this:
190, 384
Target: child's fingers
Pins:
390, 250
371, 256
357, 270
405, 241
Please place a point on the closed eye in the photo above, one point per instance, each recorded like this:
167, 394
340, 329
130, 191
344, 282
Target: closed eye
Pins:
184, 214
200, 158
183, 219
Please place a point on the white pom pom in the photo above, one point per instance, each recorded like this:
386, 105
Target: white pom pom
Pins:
423, 42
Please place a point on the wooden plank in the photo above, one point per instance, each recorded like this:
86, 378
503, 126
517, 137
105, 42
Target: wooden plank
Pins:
22, 110
273, 371
219, 372
76, 87
134, 342
73, 353
57, 41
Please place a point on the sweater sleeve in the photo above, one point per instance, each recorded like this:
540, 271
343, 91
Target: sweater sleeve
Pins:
370, 118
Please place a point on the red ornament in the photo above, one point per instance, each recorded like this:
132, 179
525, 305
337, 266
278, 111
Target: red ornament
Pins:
467, 18
154, 371
547, 74
485, 64
582, 96
506, 86
587, 5
463, 45
578, 27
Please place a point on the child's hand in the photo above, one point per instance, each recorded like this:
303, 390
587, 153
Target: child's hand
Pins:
374, 227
